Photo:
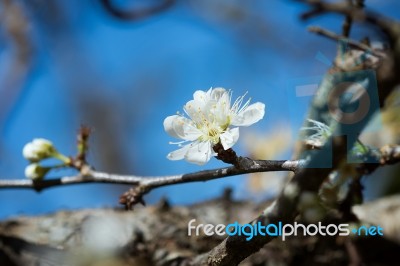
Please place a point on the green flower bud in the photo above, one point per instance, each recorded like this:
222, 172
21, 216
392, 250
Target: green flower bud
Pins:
38, 150
36, 172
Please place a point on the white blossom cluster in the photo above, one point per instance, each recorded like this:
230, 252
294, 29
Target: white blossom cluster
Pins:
213, 118
36, 151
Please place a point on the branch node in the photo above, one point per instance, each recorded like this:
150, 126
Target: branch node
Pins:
227, 156
133, 196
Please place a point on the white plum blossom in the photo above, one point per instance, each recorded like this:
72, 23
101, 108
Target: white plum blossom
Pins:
38, 149
212, 119
321, 133
35, 172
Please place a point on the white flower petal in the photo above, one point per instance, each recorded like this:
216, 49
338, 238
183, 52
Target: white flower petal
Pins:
250, 115
179, 154
42, 142
195, 110
199, 152
223, 109
210, 118
181, 128
201, 96
38, 149
29, 151
217, 93
229, 138
35, 172
31, 171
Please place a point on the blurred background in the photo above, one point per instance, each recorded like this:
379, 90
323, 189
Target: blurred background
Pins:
68, 63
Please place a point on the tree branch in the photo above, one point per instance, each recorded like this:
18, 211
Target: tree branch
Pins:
143, 185
352, 43
284, 209
389, 26
234, 249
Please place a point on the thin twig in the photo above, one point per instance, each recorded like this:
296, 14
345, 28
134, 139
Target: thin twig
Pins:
347, 23
350, 42
388, 26
92, 176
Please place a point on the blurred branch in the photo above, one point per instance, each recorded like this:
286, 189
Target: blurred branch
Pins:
389, 26
135, 14
15, 24
234, 249
388, 71
348, 21
352, 43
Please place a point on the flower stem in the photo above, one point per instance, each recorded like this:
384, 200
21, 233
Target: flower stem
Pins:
66, 160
